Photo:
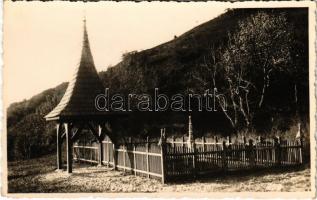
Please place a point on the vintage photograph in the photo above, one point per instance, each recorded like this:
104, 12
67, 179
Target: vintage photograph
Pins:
159, 97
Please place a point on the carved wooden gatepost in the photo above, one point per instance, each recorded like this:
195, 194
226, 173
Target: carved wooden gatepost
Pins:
77, 110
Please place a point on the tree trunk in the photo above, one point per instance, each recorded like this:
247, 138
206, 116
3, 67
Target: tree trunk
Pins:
262, 93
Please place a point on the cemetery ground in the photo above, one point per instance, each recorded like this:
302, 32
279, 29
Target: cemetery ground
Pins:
39, 175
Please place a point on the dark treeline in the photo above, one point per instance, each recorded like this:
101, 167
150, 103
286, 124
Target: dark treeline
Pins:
256, 58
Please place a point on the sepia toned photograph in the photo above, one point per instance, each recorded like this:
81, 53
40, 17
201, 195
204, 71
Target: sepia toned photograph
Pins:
150, 98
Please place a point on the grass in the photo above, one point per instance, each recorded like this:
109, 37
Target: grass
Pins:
39, 176
23, 175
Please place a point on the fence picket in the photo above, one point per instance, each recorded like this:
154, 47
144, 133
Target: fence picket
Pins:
147, 157
165, 161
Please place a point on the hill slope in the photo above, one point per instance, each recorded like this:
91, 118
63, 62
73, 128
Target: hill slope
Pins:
28, 134
169, 67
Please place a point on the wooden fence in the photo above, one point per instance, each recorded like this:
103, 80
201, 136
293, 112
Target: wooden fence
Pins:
143, 158
172, 159
195, 161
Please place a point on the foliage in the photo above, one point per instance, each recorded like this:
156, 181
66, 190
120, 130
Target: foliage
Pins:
28, 134
241, 69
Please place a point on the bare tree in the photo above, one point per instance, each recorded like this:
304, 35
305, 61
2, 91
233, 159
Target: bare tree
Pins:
263, 42
241, 68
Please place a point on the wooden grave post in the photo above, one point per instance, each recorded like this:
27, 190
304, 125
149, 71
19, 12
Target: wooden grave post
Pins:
251, 154
301, 150
278, 152
203, 147
194, 150
183, 144
173, 143
244, 149
224, 156
163, 151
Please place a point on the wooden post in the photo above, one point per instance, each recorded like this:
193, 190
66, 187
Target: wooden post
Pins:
194, 159
59, 147
147, 157
173, 143
301, 150
190, 133
244, 149
251, 154
183, 143
224, 156
115, 159
163, 151
123, 156
100, 146
274, 151
278, 151
108, 151
134, 160
258, 139
203, 144
229, 140
69, 148
91, 151
257, 143
100, 153
229, 149
73, 152
216, 142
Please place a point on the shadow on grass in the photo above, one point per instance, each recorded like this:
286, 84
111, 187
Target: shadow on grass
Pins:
95, 173
36, 186
238, 175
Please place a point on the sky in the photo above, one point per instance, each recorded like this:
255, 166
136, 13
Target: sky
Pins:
42, 40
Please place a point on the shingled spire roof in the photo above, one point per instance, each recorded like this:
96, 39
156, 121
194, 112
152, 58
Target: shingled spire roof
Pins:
79, 98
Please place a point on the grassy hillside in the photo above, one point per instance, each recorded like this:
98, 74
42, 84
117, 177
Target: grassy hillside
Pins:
171, 67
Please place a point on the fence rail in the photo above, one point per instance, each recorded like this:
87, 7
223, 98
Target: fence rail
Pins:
139, 158
169, 160
185, 161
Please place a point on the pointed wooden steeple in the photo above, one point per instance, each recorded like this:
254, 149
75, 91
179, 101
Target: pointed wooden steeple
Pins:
79, 98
